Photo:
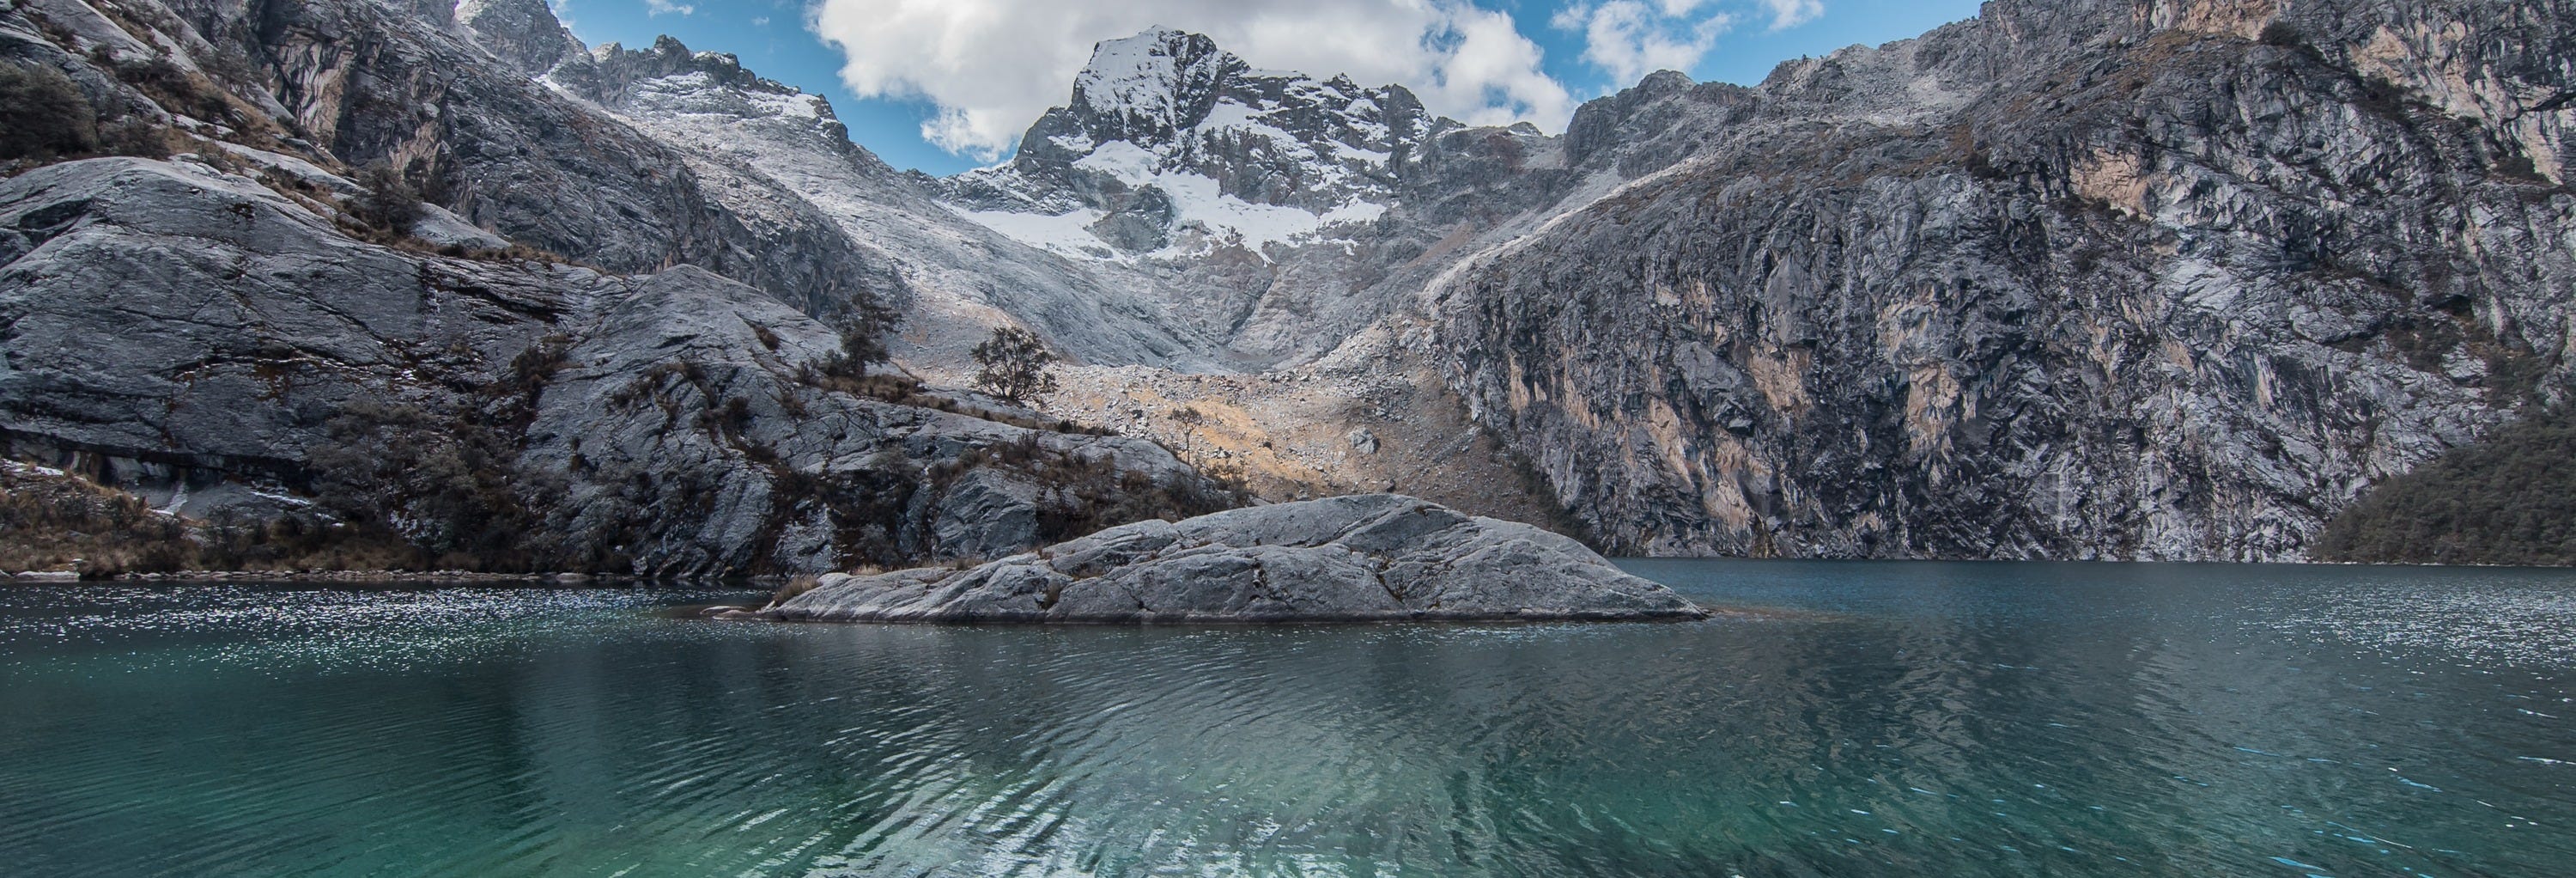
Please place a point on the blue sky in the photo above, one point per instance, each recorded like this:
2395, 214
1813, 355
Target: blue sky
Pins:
942, 84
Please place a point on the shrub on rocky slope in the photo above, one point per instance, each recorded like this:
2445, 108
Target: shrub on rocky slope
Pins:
42, 115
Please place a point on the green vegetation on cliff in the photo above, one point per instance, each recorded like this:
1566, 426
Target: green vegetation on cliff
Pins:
2508, 500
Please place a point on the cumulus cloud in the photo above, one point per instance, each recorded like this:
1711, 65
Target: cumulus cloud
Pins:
666, 7
1792, 13
1629, 38
992, 66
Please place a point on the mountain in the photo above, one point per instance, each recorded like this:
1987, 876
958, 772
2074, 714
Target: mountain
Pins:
595, 349
785, 162
1271, 203
2152, 279
1176, 349
1172, 148
2068, 280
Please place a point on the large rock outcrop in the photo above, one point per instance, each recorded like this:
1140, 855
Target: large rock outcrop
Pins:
1368, 558
2170, 280
225, 349
225, 334
443, 95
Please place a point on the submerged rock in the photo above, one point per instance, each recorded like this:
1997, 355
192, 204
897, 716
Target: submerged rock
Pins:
1378, 557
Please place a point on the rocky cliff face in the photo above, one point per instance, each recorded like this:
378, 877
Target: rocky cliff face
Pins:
2096, 280
226, 333
522, 33
447, 100
210, 343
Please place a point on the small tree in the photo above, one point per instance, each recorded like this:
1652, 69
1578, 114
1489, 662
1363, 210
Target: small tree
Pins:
1013, 365
390, 204
43, 115
863, 340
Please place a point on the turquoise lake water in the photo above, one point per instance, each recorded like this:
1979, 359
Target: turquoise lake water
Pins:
1866, 719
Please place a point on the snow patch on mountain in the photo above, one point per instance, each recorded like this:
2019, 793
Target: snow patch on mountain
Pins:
1207, 219
781, 160
1066, 234
1172, 148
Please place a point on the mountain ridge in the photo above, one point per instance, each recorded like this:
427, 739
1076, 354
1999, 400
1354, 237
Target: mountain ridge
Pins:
2356, 369
2103, 279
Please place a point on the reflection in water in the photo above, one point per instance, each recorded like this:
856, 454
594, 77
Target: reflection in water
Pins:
1892, 719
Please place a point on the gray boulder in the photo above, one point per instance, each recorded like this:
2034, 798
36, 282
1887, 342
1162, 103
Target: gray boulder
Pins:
1377, 557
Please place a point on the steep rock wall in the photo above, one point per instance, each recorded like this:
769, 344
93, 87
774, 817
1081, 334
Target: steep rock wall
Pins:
2106, 280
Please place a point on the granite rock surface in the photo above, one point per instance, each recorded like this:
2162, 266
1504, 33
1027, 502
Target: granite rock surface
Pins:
1362, 558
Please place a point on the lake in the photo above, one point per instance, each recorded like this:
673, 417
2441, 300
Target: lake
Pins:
1860, 719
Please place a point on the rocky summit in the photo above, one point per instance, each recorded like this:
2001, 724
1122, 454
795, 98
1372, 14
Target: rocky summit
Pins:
1170, 141
1367, 558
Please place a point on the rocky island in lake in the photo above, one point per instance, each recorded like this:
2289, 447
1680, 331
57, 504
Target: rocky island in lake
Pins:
1378, 557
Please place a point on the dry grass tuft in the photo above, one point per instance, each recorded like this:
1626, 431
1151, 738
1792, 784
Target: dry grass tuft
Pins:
52, 522
794, 587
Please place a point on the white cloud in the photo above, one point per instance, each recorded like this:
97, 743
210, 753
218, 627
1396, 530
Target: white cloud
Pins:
1630, 39
992, 66
1792, 13
666, 7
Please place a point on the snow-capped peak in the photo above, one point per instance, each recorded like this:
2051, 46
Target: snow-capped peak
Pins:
1171, 143
1152, 83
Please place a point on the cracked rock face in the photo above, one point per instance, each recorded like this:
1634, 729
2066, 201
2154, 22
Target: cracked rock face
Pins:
197, 338
444, 94
1380, 557
2070, 280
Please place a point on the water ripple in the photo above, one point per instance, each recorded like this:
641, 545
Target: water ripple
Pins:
1889, 720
